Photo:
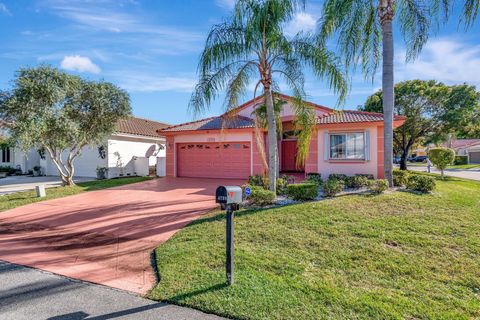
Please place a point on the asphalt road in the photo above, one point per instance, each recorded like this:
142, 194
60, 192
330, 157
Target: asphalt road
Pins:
27, 293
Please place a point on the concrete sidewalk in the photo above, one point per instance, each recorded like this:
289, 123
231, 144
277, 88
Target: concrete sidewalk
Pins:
472, 174
12, 184
27, 293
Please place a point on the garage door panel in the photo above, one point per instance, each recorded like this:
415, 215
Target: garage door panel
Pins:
213, 160
475, 157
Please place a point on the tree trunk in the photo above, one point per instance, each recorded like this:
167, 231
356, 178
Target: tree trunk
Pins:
403, 160
272, 140
386, 20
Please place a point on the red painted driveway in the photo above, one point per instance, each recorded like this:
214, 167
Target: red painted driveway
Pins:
105, 236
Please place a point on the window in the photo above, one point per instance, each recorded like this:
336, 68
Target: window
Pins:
348, 146
6, 154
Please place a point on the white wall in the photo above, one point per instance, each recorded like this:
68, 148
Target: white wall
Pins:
26, 160
130, 148
348, 167
85, 164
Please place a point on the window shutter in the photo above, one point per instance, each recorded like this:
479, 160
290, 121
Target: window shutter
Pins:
326, 146
367, 145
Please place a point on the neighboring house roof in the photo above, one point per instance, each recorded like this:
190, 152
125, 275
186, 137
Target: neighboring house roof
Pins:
240, 122
213, 123
139, 127
461, 143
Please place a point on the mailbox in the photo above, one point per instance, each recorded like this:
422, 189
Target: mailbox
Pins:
228, 196
230, 199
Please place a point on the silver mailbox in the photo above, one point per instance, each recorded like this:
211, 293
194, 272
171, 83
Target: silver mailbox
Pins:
228, 195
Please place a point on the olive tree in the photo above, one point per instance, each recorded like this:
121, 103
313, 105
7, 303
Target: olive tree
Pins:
441, 157
51, 110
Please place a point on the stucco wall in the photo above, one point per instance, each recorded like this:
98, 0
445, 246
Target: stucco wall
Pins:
286, 112
128, 149
349, 167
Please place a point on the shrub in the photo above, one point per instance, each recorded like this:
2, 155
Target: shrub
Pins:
378, 186
441, 157
366, 175
332, 187
302, 191
314, 178
282, 184
459, 160
260, 197
400, 177
337, 176
421, 183
356, 182
256, 180
8, 169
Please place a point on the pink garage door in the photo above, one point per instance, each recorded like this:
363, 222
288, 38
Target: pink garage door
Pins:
214, 160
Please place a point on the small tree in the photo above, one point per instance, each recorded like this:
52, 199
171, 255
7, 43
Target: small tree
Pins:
60, 113
441, 157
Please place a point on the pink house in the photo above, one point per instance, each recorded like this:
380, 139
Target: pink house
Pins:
348, 142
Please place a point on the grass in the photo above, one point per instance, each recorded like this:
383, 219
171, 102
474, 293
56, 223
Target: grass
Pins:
18, 199
393, 256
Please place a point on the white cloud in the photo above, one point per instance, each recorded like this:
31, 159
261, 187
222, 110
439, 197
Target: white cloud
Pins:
446, 59
225, 4
4, 9
302, 21
145, 82
80, 64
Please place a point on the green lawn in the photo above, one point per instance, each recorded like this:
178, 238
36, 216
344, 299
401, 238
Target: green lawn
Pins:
21, 198
393, 256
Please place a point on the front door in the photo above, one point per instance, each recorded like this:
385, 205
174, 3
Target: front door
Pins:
289, 155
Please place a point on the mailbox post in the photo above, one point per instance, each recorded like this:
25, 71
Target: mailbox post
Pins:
229, 199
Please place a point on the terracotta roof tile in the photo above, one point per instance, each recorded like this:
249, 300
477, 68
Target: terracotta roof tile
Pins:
352, 116
213, 123
139, 127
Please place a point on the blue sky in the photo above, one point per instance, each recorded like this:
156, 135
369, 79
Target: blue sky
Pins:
151, 49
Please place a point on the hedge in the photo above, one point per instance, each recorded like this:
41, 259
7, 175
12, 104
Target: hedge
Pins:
421, 183
378, 186
302, 191
332, 187
459, 160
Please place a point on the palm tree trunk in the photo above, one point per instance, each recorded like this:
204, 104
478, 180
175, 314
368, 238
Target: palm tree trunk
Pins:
386, 20
272, 140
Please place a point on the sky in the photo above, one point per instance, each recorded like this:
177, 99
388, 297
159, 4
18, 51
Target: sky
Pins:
151, 49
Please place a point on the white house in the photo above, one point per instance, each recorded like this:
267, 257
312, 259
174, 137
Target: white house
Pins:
14, 157
131, 151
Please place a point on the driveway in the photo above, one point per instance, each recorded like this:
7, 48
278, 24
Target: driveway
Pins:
472, 174
33, 294
12, 184
105, 236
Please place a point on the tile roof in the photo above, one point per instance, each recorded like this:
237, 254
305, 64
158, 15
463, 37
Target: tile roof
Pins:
462, 143
352, 116
213, 123
139, 127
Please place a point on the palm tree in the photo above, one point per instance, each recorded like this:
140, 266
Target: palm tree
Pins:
261, 123
251, 44
365, 27
470, 12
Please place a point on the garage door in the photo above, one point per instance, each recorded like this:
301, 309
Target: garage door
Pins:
214, 160
475, 157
